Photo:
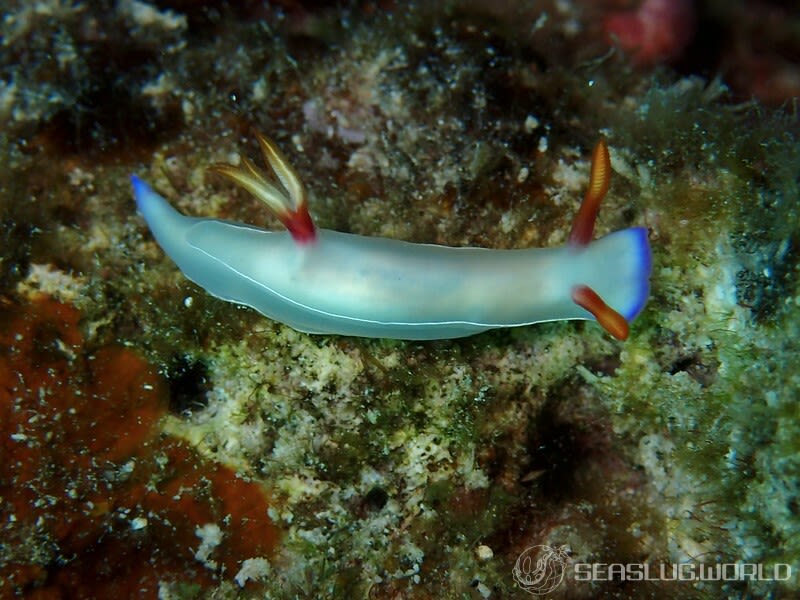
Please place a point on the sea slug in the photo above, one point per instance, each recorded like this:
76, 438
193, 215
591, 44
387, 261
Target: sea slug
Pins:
327, 282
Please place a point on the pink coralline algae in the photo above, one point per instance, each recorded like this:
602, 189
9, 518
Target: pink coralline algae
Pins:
658, 31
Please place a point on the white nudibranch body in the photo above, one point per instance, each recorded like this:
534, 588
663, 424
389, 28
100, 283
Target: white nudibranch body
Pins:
327, 282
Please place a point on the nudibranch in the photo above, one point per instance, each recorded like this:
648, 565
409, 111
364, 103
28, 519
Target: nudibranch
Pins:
328, 282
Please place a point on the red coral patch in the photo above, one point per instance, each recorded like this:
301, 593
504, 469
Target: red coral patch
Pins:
93, 501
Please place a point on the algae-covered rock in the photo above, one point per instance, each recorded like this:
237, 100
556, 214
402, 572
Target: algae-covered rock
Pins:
426, 469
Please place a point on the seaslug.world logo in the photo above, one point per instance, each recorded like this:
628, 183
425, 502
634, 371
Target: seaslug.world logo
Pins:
540, 569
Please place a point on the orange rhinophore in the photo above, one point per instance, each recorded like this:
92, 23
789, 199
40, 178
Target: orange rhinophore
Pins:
599, 180
583, 232
609, 319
